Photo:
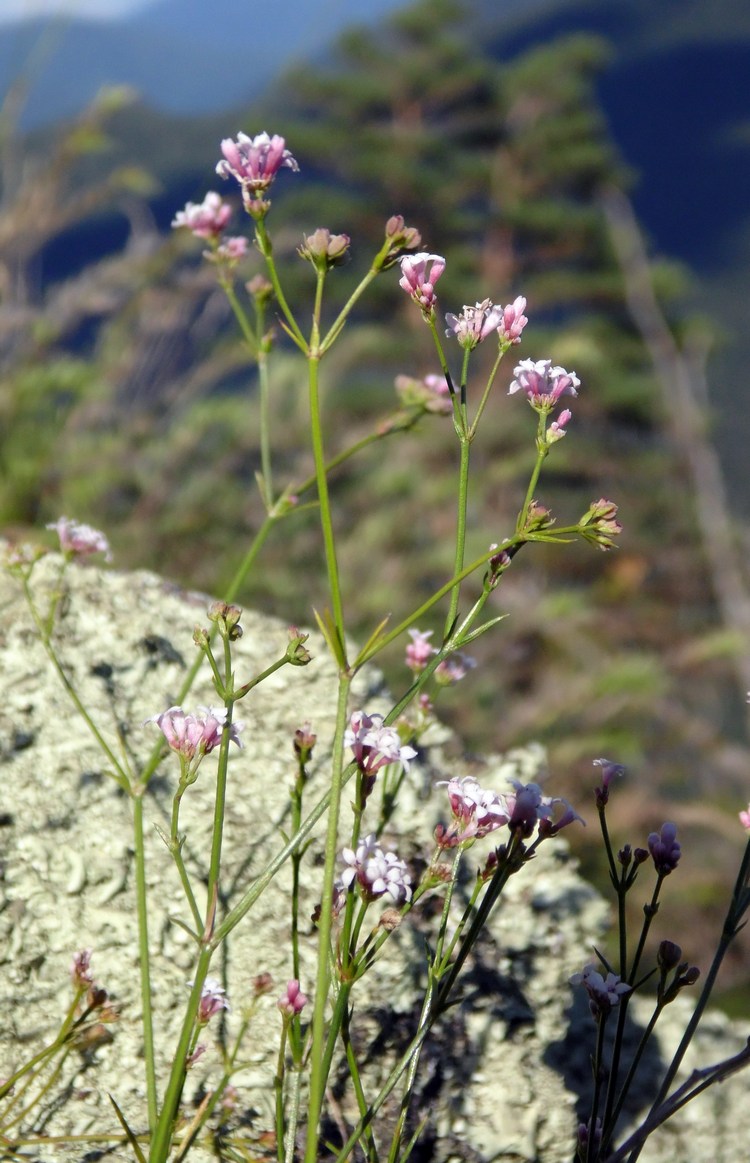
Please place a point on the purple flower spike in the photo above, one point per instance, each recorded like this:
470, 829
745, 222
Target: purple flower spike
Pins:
664, 849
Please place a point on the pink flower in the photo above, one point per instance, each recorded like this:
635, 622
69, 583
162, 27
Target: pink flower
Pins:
419, 652
213, 1000
254, 161
477, 811
205, 219
557, 428
527, 807
453, 668
293, 1000
375, 745
664, 849
604, 992
542, 383
191, 735
599, 523
513, 321
474, 323
745, 818
80, 970
232, 249
377, 872
419, 273
610, 771
431, 394
80, 540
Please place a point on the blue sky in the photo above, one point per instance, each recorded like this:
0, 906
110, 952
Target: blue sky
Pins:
99, 9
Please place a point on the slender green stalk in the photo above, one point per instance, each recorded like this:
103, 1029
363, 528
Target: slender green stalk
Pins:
266, 249
278, 1085
144, 957
322, 984
121, 775
487, 390
162, 1138
463, 497
542, 449
325, 505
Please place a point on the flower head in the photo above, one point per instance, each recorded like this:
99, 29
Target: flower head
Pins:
476, 810
513, 321
453, 668
293, 1000
543, 383
599, 523
378, 873
192, 735
430, 394
604, 992
527, 807
610, 771
418, 651
474, 323
400, 237
374, 745
254, 162
80, 970
419, 273
231, 250
324, 249
557, 428
79, 540
664, 849
745, 818
205, 219
213, 1000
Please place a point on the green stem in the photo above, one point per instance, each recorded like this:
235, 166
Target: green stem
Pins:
321, 474
542, 450
266, 249
322, 984
463, 496
144, 957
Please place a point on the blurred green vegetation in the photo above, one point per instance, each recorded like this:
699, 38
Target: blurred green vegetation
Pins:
127, 400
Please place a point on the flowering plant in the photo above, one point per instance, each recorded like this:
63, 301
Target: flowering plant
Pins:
366, 887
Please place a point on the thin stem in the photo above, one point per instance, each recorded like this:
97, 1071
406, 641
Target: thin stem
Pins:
463, 496
266, 249
144, 957
322, 984
326, 522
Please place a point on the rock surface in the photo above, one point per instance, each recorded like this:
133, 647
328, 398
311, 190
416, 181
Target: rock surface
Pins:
499, 1079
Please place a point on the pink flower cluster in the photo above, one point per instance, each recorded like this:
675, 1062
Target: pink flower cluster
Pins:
79, 540
254, 162
604, 992
374, 745
477, 811
419, 273
431, 394
213, 1000
378, 873
293, 1000
205, 219
543, 383
192, 735
475, 323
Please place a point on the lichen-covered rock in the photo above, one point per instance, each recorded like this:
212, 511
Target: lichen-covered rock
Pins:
499, 1078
